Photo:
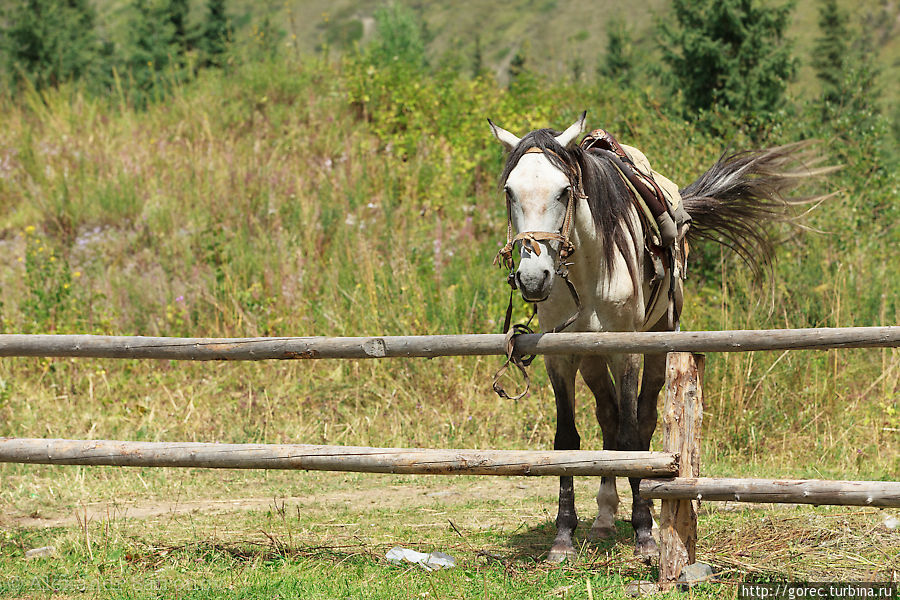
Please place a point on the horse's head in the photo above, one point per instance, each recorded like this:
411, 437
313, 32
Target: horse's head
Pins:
541, 186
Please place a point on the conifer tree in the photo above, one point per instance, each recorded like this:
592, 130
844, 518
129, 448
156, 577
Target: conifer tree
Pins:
847, 71
619, 61
216, 33
830, 56
399, 38
150, 49
729, 54
51, 41
477, 58
176, 13
518, 66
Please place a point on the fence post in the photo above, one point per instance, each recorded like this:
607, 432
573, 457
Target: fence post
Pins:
682, 417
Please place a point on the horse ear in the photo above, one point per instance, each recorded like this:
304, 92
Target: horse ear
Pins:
506, 138
568, 136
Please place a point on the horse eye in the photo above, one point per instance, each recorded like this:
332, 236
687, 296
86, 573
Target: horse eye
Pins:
563, 194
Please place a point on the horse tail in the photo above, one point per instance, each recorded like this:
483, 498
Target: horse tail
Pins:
738, 198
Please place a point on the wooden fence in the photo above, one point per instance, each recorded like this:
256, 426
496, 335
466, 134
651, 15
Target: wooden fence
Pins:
430, 346
671, 475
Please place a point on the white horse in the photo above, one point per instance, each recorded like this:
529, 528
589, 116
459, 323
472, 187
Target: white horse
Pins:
560, 195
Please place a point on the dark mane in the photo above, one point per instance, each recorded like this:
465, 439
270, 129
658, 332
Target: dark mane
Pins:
608, 197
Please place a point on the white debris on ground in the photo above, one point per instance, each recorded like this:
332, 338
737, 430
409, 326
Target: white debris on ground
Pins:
429, 562
38, 552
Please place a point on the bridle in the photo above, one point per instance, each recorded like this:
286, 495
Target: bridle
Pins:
530, 241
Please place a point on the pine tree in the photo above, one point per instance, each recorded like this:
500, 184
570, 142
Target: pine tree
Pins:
50, 42
399, 37
847, 71
619, 61
518, 66
150, 49
216, 33
830, 57
477, 58
176, 13
729, 54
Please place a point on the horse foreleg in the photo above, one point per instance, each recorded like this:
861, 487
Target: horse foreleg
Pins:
595, 372
561, 370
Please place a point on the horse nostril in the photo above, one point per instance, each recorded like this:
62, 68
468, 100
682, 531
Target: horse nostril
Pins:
546, 274
519, 279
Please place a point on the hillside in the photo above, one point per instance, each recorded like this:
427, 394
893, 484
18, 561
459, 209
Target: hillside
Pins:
557, 33
552, 34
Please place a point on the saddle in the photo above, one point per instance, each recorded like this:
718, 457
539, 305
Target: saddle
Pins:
656, 196
659, 204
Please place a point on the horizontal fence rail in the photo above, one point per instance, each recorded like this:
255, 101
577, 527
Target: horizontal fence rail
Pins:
91, 346
801, 491
338, 458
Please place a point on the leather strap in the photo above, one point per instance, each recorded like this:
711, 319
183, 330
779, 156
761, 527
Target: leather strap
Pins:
530, 241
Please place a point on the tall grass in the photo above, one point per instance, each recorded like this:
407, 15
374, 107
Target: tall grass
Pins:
308, 198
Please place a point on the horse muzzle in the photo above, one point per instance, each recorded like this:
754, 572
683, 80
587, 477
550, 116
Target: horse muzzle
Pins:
534, 284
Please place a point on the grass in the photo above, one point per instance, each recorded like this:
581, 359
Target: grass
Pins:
308, 198
275, 537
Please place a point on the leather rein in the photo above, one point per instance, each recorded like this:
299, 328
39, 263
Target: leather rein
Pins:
530, 241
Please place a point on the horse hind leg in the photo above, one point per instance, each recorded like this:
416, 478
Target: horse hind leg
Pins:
651, 383
562, 370
626, 374
595, 372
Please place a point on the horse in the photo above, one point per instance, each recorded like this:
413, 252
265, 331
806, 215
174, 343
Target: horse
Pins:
562, 199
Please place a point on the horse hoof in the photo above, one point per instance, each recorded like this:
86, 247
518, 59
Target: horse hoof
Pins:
646, 550
602, 532
561, 554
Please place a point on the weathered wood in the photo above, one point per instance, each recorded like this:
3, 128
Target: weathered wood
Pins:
91, 346
337, 458
799, 491
682, 420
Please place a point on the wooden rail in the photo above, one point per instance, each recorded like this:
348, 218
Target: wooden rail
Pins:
800, 491
337, 458
91, 346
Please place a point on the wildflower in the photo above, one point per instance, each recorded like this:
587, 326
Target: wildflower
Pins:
179, 299
30, 229
76, 274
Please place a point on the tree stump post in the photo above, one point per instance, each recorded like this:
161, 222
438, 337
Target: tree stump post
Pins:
682, 417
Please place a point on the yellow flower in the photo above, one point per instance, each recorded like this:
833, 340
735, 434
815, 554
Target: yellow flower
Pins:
76, 274
30, 229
